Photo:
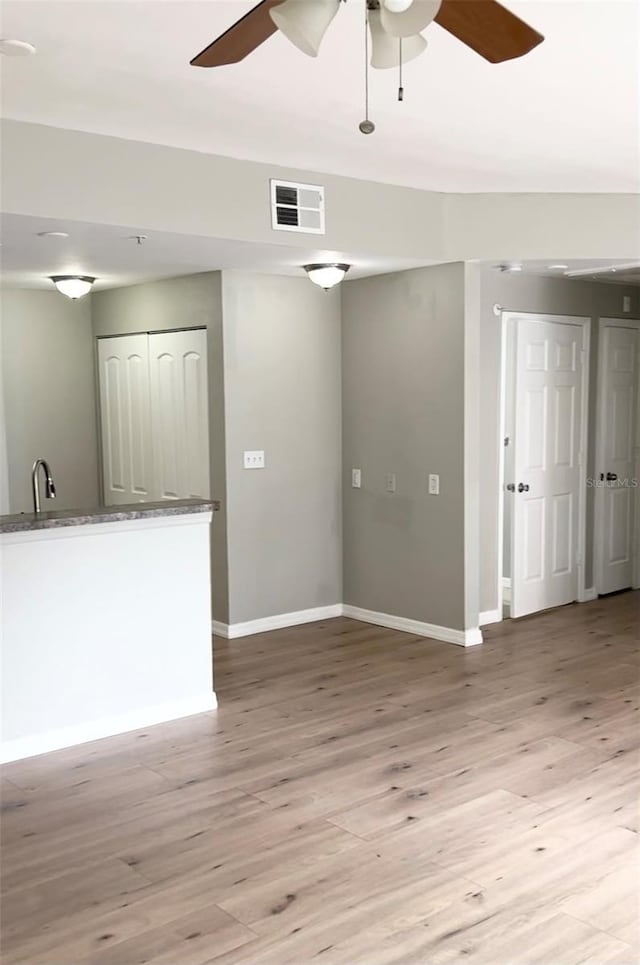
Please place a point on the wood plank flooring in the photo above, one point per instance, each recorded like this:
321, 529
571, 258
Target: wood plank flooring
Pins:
361, 797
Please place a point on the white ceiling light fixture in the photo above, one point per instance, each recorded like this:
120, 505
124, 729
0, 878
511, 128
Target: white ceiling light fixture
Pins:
409, 21
386, 51
305, 22
73, 286
53, 234
557, 267
326, 275
16, 48
397, 6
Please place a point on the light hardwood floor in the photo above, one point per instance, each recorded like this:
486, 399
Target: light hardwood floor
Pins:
361, 797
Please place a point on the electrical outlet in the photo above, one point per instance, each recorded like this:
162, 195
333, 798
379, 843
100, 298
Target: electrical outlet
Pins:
356, 478
390, 482
254, 459
626, 303
434, 484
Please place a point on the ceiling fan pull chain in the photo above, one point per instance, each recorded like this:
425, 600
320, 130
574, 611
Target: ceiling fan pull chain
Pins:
366, 126
400, 87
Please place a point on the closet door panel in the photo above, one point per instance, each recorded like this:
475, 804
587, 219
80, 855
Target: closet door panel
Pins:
165, 407
123, 366
180, 422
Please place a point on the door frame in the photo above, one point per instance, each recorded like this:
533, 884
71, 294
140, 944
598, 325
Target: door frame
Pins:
583, 593
604, 323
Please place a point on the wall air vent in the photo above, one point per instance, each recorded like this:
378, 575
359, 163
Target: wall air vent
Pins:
297, 207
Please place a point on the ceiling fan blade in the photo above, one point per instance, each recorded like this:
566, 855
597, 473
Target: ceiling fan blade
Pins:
488, 28
241, 39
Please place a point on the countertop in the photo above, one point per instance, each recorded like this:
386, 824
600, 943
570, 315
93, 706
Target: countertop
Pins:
105, 514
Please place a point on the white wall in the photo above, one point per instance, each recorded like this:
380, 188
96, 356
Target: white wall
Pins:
104, 628
49, 396
282, 394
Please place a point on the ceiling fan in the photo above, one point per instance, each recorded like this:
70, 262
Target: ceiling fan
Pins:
395, 26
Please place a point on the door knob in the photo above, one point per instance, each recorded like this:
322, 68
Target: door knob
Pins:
523, 487
611, 476
511, 487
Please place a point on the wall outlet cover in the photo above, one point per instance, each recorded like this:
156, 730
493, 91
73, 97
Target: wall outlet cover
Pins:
356, 478
434, 484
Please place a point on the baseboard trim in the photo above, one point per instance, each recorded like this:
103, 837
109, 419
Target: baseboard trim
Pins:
278, 622
589, 593
490, 616
462, 638
55, 740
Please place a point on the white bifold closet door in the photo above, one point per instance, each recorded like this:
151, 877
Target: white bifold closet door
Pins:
179, 423
154, 416
125, 419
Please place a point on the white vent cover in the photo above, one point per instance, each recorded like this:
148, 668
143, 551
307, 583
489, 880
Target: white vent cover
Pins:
297, 207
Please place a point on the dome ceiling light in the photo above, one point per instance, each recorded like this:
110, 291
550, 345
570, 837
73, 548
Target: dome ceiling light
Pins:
73, 286
16, 48
327, 275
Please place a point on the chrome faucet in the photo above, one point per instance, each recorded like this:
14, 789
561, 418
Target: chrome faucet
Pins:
51, 489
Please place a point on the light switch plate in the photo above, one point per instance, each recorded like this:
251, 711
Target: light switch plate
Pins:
356, 478
626, 303
434, 484
390, 482
254, 459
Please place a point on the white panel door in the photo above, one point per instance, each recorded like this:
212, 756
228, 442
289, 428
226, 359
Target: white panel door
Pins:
125, 419
547, 473
615, 480
180, 420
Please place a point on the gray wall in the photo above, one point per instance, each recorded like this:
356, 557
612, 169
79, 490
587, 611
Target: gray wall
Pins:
49, 396
282, 381
192, 301
403, 401
554, 296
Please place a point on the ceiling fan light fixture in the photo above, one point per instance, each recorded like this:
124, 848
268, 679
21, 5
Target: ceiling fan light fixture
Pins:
305, 22
397, 6
327, 276
385, 50
411, 21
73, 286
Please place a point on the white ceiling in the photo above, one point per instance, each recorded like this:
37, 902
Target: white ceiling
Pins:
608, 270
564, 118
109, 253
